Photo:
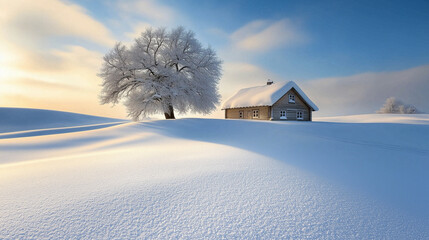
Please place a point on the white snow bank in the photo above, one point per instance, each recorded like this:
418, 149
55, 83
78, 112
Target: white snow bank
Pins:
265, 95
50, 131
378, 118
22, 119
202, 178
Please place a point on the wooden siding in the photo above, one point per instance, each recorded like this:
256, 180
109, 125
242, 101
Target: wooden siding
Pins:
291, 108
234, 113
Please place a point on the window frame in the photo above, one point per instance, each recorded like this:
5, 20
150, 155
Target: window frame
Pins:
291, 98
255, 113
241, 114
285, 114
299, 115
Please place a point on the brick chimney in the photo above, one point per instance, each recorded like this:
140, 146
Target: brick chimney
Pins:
269, 82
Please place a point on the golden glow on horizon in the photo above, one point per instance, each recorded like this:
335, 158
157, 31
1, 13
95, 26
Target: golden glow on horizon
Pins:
5, 58
5, 72
8, 56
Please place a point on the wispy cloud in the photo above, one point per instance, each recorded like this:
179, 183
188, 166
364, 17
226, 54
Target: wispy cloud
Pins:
151, 10
48, 57
137, 30
265, 35
239, 75
72, 87
33, 35
32, 83
30, 22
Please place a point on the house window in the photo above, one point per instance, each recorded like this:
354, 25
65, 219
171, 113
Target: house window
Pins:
291, 98
283, 114
240, 114
255, 113
299, 115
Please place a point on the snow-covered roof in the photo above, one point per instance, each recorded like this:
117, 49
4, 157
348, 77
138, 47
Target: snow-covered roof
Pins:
265, 95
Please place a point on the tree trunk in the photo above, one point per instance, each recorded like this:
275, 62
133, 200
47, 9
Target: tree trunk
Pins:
170, 113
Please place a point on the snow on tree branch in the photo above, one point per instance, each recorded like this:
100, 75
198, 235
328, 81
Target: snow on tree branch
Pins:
162, 72
396, 106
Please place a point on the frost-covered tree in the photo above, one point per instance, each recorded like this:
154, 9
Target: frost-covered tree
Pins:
162, 72
395, 106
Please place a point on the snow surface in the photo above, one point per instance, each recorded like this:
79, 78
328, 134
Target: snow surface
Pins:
265, 95
378, 118
22, 119
206, 178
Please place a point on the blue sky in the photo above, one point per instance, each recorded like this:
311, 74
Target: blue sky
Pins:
342, 37
325, 46
348, 37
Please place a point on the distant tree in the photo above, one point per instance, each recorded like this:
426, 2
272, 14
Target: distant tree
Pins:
395, 106
162, 72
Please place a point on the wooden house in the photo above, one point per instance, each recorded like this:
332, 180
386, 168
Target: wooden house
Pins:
274, 101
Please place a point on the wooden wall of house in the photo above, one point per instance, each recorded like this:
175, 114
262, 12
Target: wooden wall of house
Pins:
291, 108
234, 113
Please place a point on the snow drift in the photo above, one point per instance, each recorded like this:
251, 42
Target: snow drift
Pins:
21, 119
206, 178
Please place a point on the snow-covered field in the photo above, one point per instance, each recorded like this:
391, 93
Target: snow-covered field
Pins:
379, 118
97, 178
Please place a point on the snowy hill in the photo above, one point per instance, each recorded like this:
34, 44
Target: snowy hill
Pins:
22, 119
26, 122
213, 178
